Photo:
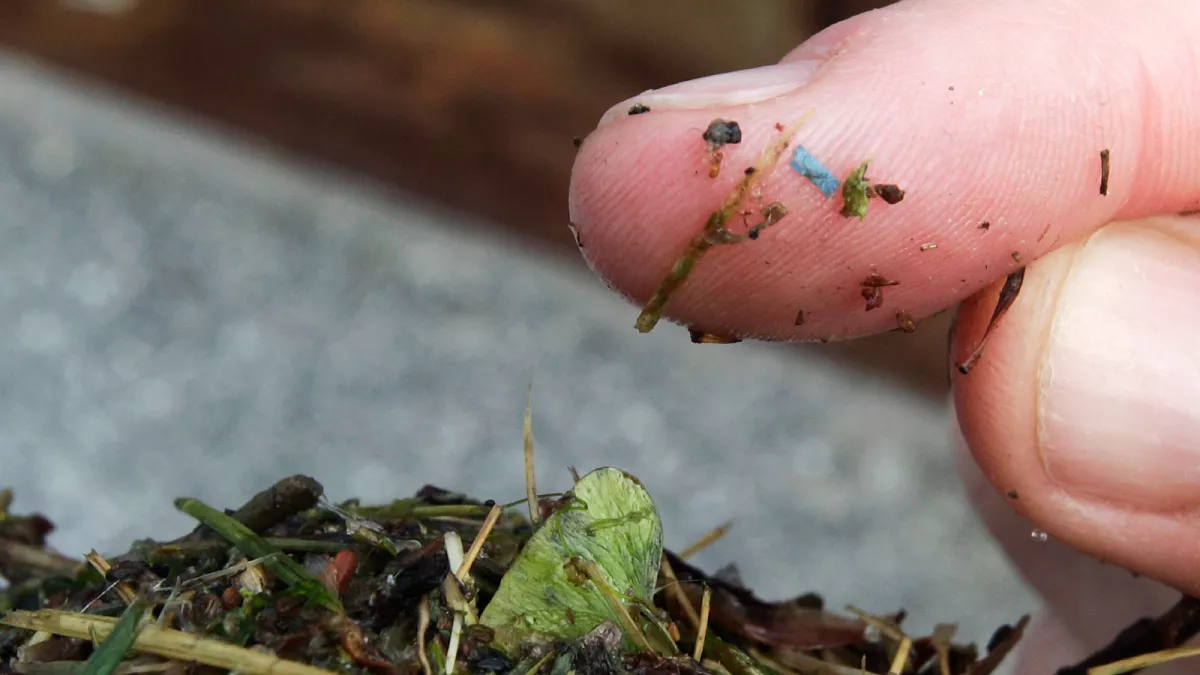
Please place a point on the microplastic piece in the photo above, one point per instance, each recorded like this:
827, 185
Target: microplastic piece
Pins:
812, 169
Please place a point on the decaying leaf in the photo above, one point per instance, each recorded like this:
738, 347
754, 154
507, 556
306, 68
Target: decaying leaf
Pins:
608, 520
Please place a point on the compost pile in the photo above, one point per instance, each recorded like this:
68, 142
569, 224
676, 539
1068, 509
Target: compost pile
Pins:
438, 583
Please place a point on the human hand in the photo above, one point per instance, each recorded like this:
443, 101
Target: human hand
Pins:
1087, 400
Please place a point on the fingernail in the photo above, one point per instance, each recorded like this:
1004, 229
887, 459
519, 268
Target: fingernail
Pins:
1119, 385
727, 89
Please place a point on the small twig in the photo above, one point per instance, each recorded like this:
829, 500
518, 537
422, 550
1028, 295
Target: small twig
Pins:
128, 595
702, 632
707, 540
422, 629
530, 478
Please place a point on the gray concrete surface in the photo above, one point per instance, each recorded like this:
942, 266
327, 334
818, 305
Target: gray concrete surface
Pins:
187, 313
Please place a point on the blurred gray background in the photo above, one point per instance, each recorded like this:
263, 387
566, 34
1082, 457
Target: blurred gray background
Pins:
189, 314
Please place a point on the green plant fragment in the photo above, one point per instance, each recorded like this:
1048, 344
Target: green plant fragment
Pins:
111, 651
856, 193
289, 571
595, 559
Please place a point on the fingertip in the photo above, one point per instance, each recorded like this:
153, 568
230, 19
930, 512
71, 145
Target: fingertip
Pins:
1085, 403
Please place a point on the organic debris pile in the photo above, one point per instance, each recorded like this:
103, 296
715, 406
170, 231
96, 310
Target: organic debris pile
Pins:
291, 584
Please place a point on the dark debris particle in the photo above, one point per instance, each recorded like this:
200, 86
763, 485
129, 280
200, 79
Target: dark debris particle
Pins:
722, 132
999, 636
1104, 172
638, 109
1016, 255
874, 297
128, 570
877, 280
800, 318
701, 338
749, 171
985, 225
892, 194
1012, 494
577, 142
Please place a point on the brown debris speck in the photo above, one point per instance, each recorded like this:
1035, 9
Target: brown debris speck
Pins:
928, 247
577, 142
1016, 255
872, 290
906, 322
638, 109
799, 318
874, 298
1104, 172
1012, 494
1008, 295
892, 194
877, 280
575, 233
701, 338
985, 225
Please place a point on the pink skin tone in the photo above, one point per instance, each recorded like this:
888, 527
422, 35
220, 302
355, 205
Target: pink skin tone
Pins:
1087, 401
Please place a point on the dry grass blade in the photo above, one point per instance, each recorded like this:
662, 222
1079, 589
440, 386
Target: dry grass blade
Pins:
714, 232
702, 632
167, 643
714, 535
1144, 661
530, 478
901, 658
805, 665
123, 589
422, 630
680, 597
943, 634
464, 570
109, 654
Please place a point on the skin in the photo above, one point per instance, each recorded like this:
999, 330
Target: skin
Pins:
1087, 400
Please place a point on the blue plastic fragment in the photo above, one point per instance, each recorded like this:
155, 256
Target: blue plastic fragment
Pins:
809, 167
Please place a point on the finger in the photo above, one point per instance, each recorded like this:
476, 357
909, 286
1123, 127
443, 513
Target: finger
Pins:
1087, 602
1086, 405
985, 112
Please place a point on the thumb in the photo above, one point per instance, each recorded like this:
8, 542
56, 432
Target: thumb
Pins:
984, 112
1086, 409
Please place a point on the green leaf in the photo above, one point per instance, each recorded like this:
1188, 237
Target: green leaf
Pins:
607, 527
109, 654
289, 571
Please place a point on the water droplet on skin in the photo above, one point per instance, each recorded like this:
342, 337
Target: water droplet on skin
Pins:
1040, 536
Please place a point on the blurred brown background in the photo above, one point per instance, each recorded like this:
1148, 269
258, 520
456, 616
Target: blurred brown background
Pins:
472, 103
